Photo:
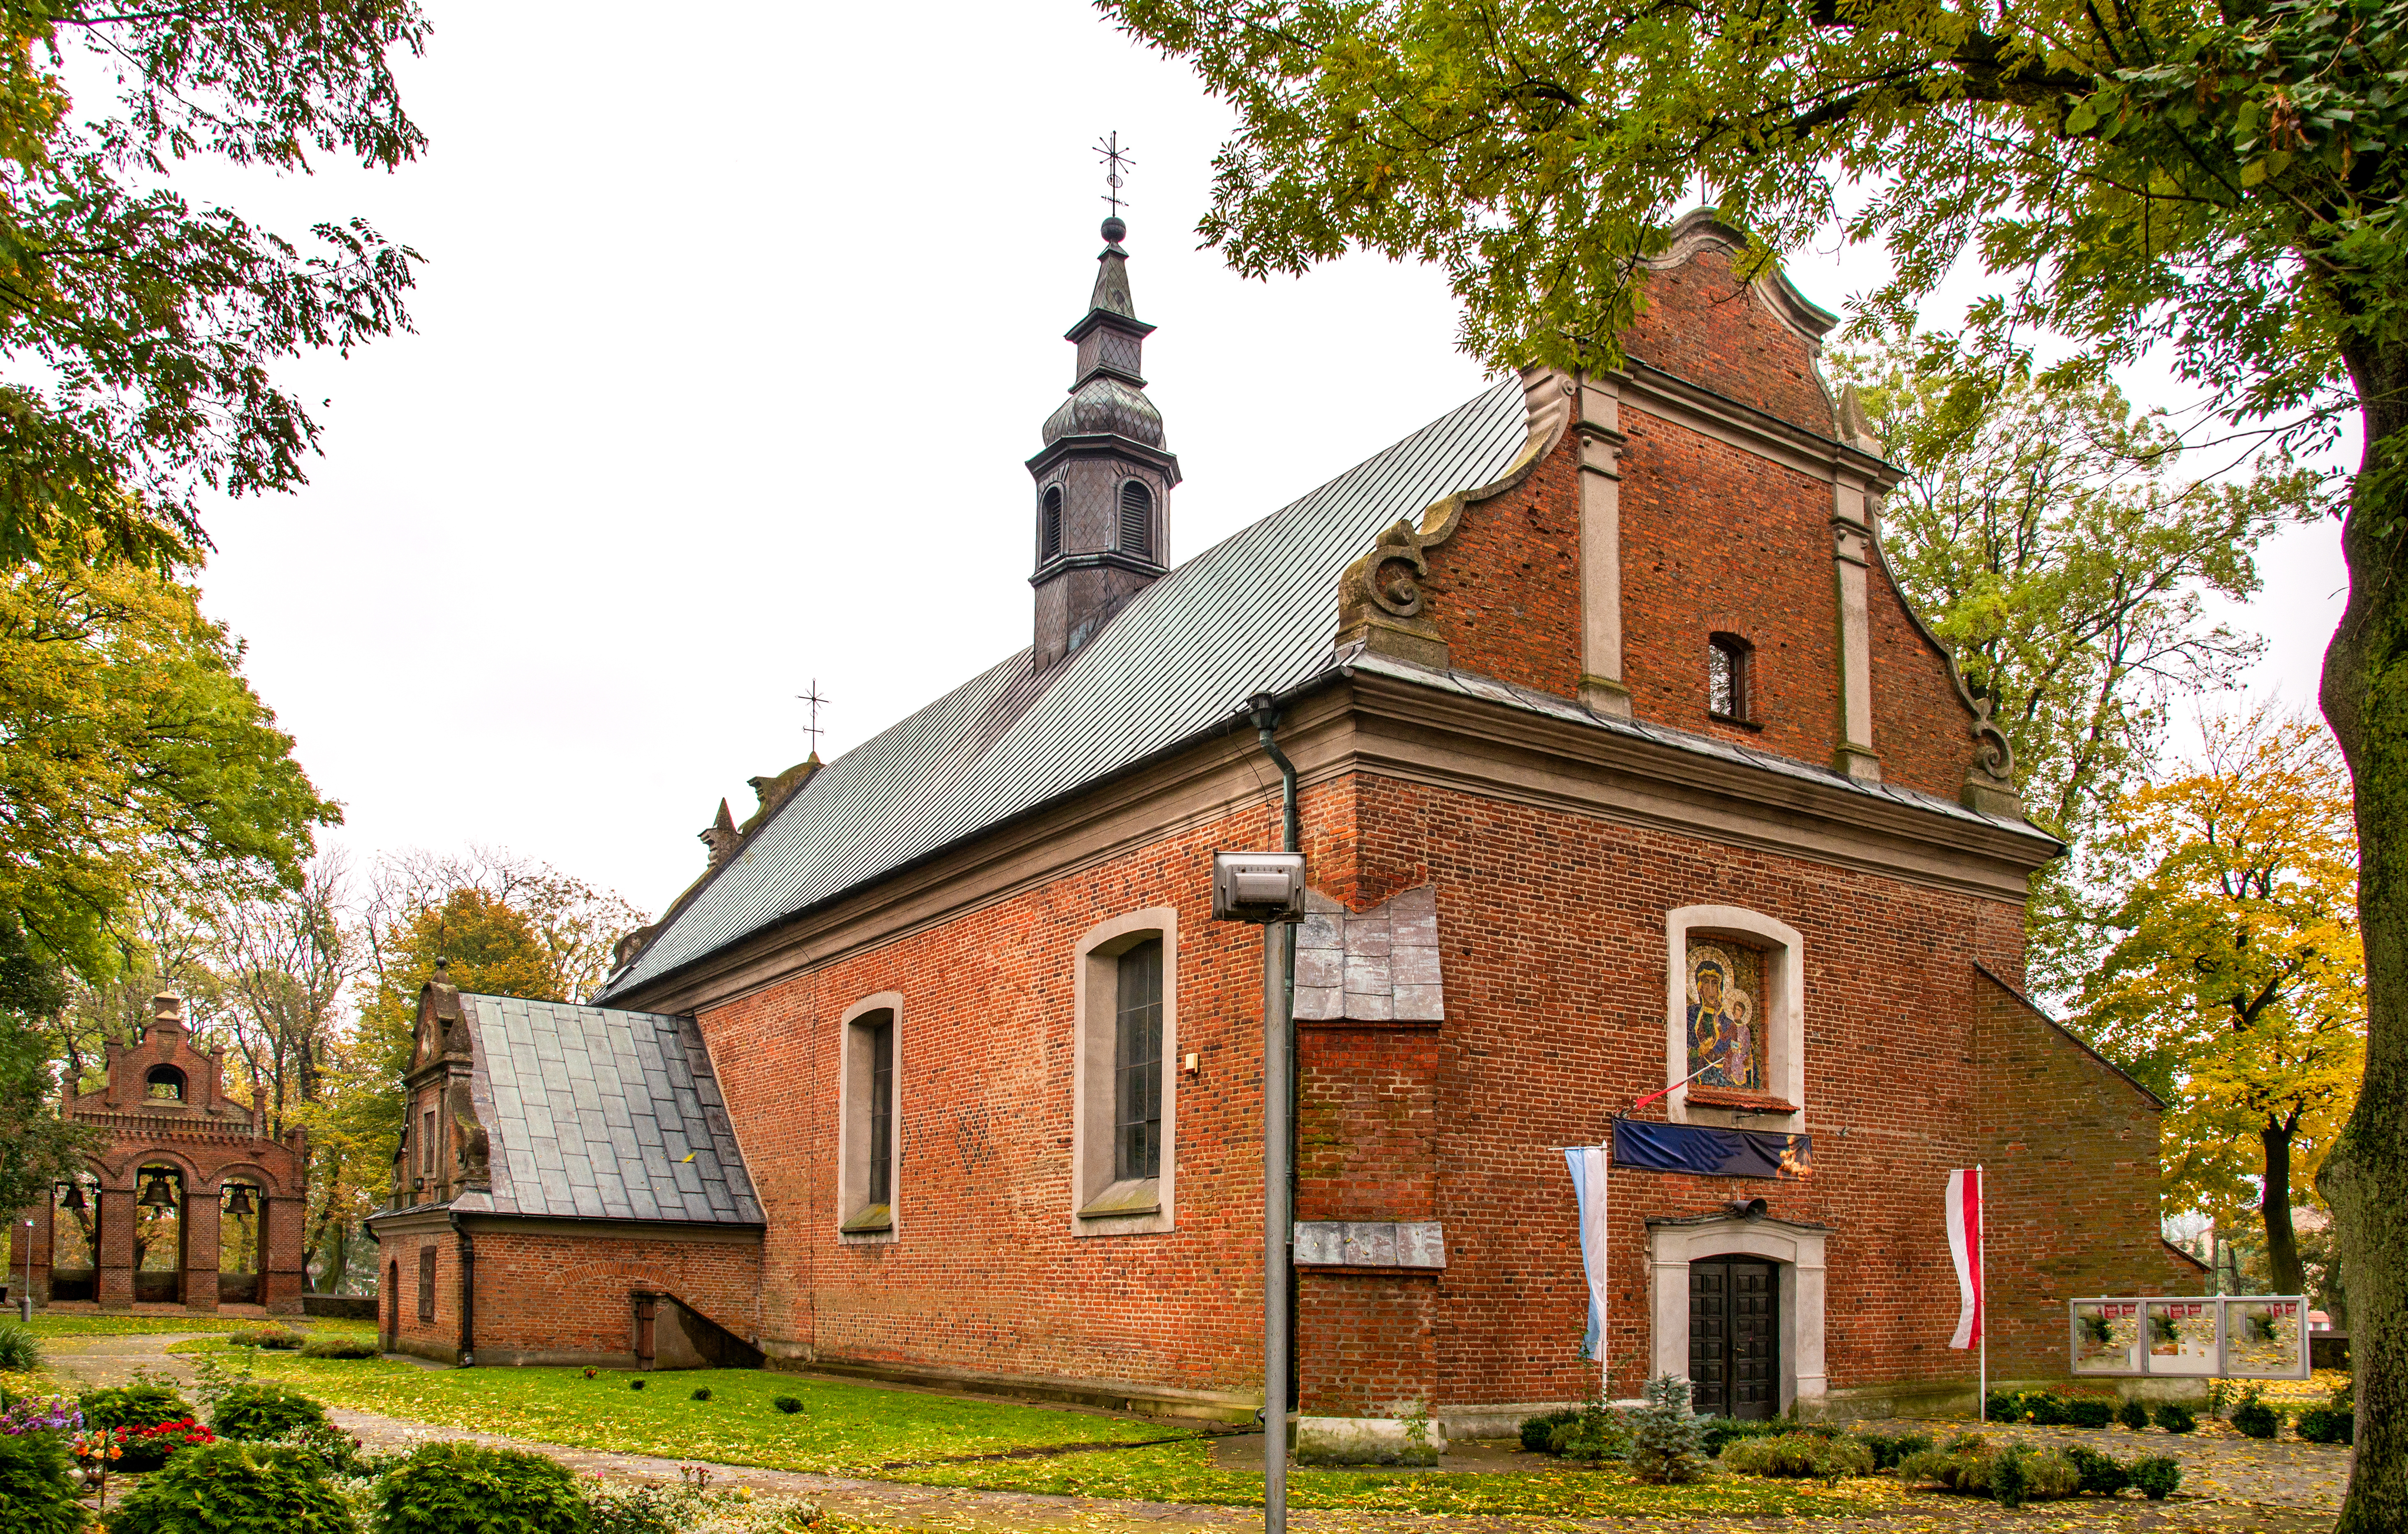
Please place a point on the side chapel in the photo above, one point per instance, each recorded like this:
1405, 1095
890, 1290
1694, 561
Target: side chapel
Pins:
1624, 763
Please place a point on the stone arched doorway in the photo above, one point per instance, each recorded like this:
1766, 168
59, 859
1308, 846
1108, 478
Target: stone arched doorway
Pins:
1760, 1282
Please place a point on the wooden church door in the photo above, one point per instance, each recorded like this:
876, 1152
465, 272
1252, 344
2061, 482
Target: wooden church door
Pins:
1734, 1338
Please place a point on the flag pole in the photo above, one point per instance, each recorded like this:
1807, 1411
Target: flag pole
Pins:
1981, 1279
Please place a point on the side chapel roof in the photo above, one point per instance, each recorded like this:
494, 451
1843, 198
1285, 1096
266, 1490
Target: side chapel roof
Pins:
598, 1114
1253, 613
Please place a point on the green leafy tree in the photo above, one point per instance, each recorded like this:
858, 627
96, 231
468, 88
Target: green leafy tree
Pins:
138, 332
38, 1148
2236, 988
135, 749
2043, 530
2217, 186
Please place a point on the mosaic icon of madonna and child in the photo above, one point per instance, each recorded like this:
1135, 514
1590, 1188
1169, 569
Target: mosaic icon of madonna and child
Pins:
1726, 983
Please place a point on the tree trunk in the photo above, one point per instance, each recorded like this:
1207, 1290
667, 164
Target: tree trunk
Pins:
2365, 696
2274, 1208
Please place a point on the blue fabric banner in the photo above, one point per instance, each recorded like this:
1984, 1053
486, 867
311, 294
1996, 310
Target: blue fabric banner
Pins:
1709, 1152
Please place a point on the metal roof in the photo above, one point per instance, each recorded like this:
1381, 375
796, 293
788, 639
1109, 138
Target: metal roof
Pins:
600, 1114
1254, 612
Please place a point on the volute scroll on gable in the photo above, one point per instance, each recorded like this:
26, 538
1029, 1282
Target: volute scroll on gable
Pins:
1379, 603
442, 1030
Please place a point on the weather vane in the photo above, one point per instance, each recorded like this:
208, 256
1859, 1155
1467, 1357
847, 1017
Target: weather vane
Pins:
813, 698
1115, 160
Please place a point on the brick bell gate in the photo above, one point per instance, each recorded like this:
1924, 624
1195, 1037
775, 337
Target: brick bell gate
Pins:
191, 1201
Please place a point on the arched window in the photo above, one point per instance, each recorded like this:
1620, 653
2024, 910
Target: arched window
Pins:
1136, 519
166, 1084
1729, 661
1049, 525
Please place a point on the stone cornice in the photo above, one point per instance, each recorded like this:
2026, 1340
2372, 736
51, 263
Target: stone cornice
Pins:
1675, 399
1347, 722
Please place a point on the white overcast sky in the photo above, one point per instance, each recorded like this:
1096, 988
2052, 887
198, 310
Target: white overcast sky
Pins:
730, 347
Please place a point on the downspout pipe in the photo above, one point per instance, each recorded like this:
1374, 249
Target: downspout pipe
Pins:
1263, 711
1278, 1147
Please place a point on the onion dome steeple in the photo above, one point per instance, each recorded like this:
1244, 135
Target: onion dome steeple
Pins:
1103, 478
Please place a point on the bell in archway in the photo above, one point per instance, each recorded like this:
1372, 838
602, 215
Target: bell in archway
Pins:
73, 1203
157, 1194
238, 1199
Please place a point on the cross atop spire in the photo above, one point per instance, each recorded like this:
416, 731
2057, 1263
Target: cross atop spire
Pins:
1116, 159
814, 699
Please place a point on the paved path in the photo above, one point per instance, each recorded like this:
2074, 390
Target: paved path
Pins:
2249, 1487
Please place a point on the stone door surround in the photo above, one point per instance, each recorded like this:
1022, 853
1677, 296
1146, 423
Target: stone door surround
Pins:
1672, 1244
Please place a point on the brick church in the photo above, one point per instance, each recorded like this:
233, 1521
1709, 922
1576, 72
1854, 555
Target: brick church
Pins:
1624, 762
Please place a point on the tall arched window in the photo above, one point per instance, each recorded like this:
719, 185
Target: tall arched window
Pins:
1049, 520
1136, 519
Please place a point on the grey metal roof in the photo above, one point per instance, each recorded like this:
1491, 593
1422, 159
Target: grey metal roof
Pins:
597, 1114
1254, 612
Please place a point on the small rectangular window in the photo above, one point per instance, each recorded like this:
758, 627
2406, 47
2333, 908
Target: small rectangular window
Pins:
1726, 678
1137, 1057
427, 1284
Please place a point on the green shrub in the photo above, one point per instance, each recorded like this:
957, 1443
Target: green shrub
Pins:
790, 1405
2257, 1419
2156, 1476
459, 1489
233, 1488
273, 1334
133, 1406
256, 1408
2089, 1411
2133, 1413
2049, 1474
21, 1351
1800, 1456
1534, 1430
37, 1491
1887, 1449
335, 1345
1664, 1436
701, 1392
1964, 1466
2174, 1417
1593, 1433
2327, 1424
2103, 1475
2007, 1478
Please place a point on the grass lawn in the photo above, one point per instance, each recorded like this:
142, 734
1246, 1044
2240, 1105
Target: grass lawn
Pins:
897, 1435
136, 1326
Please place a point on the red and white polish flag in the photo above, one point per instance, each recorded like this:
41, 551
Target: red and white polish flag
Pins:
1965, 1247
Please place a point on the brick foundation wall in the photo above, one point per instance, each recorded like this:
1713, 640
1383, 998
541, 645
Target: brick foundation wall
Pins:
560, 1298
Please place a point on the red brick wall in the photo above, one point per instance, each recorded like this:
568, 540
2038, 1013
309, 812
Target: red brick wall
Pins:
1715, 539
1551, 927
1701, 323
1921, 728
1506, 588
984, 1275
2069, 1152
563, 1294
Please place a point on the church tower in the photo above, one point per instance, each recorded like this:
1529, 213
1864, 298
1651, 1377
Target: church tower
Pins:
1103, 479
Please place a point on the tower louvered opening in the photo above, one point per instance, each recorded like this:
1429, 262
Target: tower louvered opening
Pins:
1136, 519
1049, 520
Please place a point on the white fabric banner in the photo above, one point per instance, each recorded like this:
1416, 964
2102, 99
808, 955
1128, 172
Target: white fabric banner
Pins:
1965, 1248
1587, 1164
